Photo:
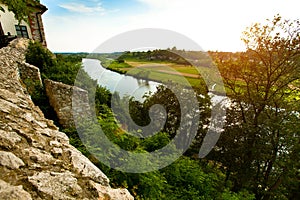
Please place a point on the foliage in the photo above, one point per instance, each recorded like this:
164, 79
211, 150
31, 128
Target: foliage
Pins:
20, 7
163, 66
242, 195
39, 97
39, 56
112, 64
155, 55
184, 179
258, 148
102, 97
62, 68
258, 152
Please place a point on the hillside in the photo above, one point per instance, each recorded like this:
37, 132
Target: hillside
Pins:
36, 159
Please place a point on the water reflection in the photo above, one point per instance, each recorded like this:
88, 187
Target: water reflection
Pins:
115, 82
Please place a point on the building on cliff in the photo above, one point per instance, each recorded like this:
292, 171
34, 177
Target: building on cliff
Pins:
10, 27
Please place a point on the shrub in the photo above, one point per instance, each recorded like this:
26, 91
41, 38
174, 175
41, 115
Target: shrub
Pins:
39, 56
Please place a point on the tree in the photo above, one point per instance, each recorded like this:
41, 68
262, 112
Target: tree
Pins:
39, 56
261, 139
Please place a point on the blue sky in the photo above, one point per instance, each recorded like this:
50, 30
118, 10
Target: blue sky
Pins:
68, 8
82, 25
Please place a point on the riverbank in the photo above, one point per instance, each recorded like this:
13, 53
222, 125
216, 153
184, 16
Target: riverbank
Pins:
123, 84
163, 72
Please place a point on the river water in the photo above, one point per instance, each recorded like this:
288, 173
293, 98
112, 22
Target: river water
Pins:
120, 83
129, 85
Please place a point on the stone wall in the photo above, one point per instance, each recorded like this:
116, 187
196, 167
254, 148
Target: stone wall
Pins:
61, 98
36, 159
30, 76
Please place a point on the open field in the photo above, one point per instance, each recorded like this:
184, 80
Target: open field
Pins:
164, 72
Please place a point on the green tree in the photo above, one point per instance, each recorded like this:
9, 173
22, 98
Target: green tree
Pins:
40, 57
260, 145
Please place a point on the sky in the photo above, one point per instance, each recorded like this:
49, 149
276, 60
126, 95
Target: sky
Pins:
83, 25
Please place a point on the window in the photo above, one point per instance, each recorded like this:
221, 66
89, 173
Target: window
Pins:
22, 31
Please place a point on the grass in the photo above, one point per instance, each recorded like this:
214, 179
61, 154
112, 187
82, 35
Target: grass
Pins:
165, 71
186, 75
164, 77
115, 64
179, 73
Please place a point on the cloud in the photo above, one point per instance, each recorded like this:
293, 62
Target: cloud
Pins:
160, 4
82, 8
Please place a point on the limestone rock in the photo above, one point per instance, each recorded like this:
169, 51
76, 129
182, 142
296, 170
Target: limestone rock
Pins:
34, 154
9, 192
58, 185
39, 156
9, 139
86, 168
30, 76
61, 97
56, 152
60, 137
31, 72
21, 44
106, 193
10, 161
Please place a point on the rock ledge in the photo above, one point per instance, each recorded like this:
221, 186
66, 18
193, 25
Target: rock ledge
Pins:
36, 160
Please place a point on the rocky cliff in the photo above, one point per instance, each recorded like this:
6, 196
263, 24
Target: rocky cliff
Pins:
36, 159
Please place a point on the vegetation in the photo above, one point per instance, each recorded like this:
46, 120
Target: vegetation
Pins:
60, 67
146, 66
187, 178
257, 155
20, 7
260, 144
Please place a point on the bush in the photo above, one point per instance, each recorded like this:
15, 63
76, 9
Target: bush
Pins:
39, 56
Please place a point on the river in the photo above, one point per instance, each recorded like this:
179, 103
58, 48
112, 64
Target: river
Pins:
128, 85
120, 83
